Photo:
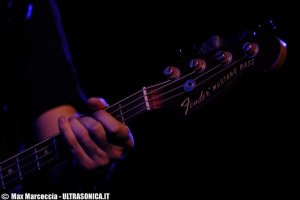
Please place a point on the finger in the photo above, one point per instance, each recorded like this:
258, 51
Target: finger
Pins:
76, 149
119, 133
116, 152
112, 125
97, 103
98, 155
96, 131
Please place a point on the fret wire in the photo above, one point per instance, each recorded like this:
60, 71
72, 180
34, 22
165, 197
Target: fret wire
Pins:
16, 180
140, 104
11, 171
37, 159
151, 92
28, 156
142, 96
178, 82
139, 98
37, 151
180, 93
170, 84
125, 102
14, 172
30, 148
18, 168
121, 113
40, 165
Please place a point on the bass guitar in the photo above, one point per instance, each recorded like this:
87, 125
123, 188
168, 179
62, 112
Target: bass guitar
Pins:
210, 73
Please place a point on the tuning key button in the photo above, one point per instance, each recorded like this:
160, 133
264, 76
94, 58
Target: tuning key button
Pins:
172, 72
250, 49
223, 57
198, 64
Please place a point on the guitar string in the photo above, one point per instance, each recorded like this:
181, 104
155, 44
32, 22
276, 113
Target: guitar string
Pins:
180, 86
151, 92
41, 164
160, 102
158, 89
17, 178
31, 155
56, 137
153, 99
119, 108
131, 109
119, 102
28, 156
34, 160
16, 172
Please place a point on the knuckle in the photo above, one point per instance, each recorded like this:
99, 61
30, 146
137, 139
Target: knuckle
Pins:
84, 133
87, 142
116, 128
120, 128
94, 150
116, 154
104, 162
76, 153
98, 114
96, 127
105, 157
73, 143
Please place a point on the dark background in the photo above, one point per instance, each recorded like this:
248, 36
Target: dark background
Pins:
240, 145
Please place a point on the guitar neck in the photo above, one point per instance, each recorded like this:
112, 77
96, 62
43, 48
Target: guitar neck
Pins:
54, 149
186, 92
39, 156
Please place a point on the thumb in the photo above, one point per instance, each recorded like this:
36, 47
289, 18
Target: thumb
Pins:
97, 103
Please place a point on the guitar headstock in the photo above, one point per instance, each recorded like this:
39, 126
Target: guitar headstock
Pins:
216, 65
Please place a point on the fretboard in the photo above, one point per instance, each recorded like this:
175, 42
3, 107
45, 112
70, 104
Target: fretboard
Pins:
257, 52
54, 150
33, 159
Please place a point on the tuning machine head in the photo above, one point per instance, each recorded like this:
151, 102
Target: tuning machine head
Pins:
198, 64
250, 49
223, 57
172, 72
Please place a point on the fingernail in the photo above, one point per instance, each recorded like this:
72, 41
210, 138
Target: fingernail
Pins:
78, 115
103, 102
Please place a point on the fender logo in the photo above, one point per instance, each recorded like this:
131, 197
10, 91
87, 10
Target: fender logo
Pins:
190, 104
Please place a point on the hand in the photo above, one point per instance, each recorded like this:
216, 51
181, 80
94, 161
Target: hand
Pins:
89, 137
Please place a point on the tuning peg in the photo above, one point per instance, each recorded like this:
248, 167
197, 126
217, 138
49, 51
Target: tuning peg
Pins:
172, 72
250, 49
223, 57
198, 64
